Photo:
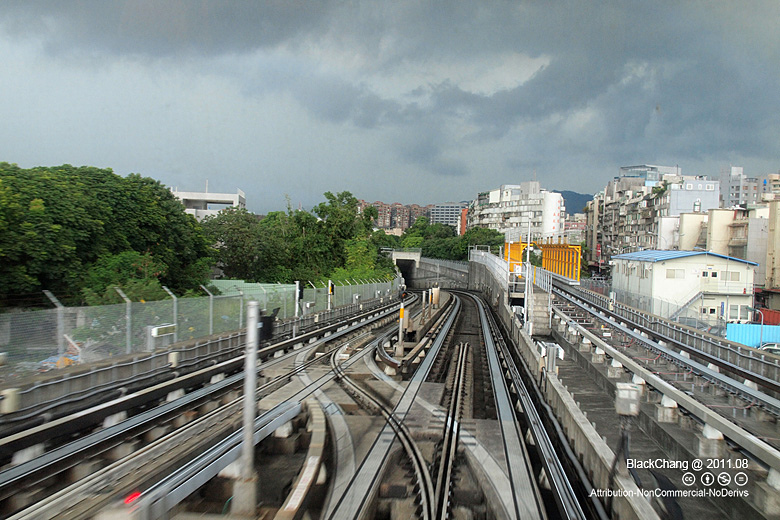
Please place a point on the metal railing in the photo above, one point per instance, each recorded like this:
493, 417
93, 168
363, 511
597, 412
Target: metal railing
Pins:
498, 267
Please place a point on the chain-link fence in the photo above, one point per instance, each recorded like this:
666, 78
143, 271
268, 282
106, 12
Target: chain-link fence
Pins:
37, 341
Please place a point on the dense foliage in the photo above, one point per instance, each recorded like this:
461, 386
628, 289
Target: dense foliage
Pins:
440, 241
335, 241
81, 231
77, 231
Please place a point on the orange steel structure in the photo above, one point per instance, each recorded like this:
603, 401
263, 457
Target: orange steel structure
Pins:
560, 258
514, 253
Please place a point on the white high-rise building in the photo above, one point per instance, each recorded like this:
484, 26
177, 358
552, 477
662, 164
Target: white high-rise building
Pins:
510, 208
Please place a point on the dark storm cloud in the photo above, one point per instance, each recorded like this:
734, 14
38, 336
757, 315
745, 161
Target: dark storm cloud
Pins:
163, 28
605, 83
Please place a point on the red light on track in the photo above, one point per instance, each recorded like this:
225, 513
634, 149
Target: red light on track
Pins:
129, 499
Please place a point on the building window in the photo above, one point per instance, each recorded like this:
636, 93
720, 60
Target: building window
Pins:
712, 310
705, 274
731, 276
675, 273
714, 274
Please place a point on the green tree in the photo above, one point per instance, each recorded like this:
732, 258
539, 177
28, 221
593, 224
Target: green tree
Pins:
236, 235
483, 236
137, 274
58, 221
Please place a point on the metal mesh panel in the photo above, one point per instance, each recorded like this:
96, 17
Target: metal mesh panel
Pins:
38, 341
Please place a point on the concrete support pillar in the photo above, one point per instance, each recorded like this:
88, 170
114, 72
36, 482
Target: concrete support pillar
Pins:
598, 356
284, 430
585, 345
666, 410
114, 419
641, 383
176, 394
767, 496
27, 454
615, 369
709, 443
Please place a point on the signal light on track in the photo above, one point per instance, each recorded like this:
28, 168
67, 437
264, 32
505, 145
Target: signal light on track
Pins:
132, 497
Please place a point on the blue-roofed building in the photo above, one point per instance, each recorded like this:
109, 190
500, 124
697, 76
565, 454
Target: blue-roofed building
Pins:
707, 286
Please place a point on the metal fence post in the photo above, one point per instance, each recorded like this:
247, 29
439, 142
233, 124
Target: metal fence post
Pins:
60, 322
128, 319
211, 310
246, 498
175, 314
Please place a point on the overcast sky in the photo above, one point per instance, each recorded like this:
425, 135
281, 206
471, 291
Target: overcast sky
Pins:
408, 101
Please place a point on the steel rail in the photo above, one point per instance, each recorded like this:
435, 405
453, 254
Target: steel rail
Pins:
69, 455
156, 501
354, 502
758, 448
426, 490
755, 396
565, 497
525, 492
88, 489
451, 436
643, 321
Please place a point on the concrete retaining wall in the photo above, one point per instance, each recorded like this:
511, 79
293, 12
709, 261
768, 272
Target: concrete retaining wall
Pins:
430, 272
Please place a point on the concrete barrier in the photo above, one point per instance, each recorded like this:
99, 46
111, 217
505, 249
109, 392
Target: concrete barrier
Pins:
294, 506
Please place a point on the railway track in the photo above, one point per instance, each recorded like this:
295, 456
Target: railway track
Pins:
735, 381
698, 410
30, 487
532, 483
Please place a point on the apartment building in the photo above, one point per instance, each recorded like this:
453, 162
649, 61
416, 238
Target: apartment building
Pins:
447, 213
511, 208
737, 188
395, 218
640, 209
574, 228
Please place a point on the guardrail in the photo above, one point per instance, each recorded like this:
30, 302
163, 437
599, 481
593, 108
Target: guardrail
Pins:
499, 268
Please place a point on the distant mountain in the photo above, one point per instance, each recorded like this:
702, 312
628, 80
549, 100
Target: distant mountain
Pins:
575, 201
